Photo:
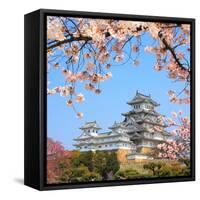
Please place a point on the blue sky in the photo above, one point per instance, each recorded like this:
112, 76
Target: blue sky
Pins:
107, 107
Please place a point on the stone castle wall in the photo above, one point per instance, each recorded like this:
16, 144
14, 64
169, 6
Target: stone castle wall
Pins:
122, 156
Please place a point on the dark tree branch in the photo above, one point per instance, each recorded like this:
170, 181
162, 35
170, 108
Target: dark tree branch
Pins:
168, 47
74, 25
81, 38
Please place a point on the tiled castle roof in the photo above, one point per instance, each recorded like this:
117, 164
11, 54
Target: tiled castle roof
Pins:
139, 98
92, 124
129, 124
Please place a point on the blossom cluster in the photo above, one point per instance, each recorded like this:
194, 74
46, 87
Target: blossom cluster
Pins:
171, 149
179, 145
84, 49
174, 98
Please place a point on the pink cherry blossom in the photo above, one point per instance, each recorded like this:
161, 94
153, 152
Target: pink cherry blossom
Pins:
89, 86
79, 115
69, 103
80, 98
157, 67
119, 58
136, 62
174, 114
64, 91
135, 48
90, 66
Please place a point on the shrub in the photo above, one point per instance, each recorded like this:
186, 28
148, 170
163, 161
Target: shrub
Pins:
82, 174
161, 169
79, 174
153, 167
127, 174
185, 161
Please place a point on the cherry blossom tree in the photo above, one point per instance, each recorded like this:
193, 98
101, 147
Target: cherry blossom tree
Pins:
84, 50
179, 146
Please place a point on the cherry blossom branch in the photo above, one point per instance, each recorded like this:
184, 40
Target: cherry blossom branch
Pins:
81, 38
95, 45
167, 46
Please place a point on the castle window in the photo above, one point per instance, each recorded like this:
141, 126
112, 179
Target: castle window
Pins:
136, 106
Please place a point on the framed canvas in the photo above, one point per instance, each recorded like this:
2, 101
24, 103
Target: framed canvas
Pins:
109, 99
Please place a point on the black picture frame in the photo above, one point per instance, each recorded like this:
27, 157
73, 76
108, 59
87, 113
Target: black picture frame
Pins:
35, 115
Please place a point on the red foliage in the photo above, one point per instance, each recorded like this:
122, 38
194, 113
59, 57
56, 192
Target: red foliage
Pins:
56, 155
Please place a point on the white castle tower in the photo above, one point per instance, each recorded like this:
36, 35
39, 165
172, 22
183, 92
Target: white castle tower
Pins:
140, 132
151, 128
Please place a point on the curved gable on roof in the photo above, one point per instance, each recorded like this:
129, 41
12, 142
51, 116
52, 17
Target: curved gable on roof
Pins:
139, 98
90, 125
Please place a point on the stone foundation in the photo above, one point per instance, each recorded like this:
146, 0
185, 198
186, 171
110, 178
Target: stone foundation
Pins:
145, 150
121, 155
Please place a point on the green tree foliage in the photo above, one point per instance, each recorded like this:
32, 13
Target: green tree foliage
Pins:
90, 166
185, 161
84, 158
163, 169
82, 174
79, 174
106, 164
153, 167
127, 174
